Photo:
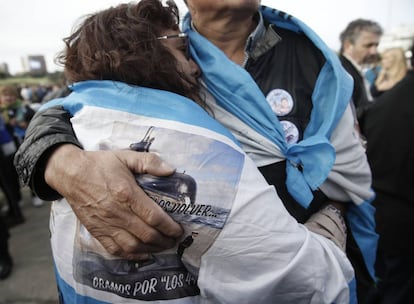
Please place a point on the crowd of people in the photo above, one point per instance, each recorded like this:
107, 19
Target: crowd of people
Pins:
18, 105
296, 197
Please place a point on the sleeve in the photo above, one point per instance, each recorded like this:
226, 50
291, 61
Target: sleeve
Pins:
47, 130
350, 178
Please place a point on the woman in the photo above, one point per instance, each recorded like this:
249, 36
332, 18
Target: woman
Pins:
393, 70
130, 71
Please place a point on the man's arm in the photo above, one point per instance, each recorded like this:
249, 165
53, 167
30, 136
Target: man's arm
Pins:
99, 186
350, 179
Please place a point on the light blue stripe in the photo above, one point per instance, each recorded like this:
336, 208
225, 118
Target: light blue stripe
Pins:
69, 294
361, 219
138, 100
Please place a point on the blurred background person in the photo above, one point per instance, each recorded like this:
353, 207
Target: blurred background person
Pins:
371, 70
359, 46
6, 263
393, 69
389, 128
16, 116
9, 181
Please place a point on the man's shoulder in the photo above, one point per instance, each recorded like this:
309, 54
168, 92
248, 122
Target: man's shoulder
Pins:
347, 64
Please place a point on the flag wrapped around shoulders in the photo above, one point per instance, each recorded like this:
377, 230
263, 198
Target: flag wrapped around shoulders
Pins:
310, 160
137, 100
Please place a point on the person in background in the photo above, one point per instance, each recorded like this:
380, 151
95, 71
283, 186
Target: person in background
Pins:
389, 127
6, 261
371, 70
359, 46
17, 116
56, 92
9, 181
311, 154
128, 85
6, 146
393, 69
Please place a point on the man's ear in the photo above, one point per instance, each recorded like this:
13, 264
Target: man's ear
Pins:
347, 43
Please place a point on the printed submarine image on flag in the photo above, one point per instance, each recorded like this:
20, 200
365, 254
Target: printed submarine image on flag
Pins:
178, 187
177, 195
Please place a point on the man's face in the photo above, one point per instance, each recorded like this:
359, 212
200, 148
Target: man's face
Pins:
365, 48
202, 5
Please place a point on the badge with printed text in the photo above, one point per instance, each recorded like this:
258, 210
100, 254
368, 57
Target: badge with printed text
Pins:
280, 101
291, 131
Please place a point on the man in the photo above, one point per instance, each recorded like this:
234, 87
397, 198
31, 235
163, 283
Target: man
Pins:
359, 46
313, 160
388, 127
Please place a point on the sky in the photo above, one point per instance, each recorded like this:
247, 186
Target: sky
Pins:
30, 27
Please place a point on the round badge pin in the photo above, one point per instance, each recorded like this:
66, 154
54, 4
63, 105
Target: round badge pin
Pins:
291, 131
280, 101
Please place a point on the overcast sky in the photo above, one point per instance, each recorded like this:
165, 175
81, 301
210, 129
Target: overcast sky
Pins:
30, 27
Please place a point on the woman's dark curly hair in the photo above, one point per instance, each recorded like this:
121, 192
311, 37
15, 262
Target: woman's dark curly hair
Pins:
120, 43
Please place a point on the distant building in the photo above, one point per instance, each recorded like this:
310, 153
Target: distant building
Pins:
35, 65
401, 36
4, 69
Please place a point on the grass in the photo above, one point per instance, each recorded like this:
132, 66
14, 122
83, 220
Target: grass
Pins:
49, 79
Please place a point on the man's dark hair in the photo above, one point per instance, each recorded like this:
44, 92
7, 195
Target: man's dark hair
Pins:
354, 29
